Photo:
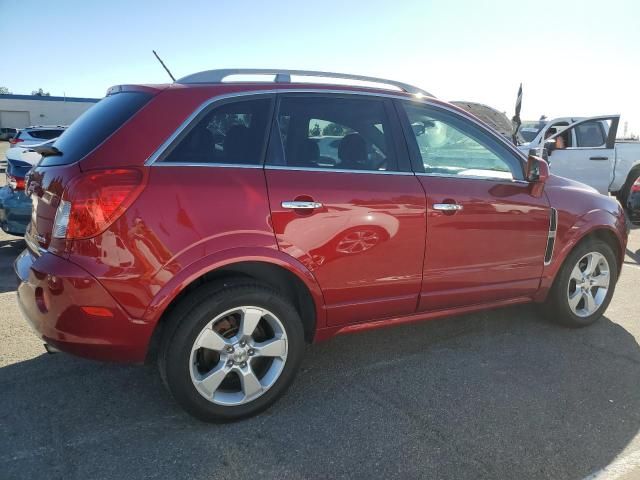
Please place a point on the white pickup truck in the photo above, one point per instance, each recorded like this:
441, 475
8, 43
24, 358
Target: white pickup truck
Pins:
586, 150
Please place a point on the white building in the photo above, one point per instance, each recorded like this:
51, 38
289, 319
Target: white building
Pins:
19, 111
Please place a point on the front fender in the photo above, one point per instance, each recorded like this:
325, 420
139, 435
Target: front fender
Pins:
170, 290
571, 233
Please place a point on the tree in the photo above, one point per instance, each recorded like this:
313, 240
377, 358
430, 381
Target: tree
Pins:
40, 93
333, 129
315, 131
4, 91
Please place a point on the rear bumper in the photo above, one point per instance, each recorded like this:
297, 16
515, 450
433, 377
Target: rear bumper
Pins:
15, 211
56, 296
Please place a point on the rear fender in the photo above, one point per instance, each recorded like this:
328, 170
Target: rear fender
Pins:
221, 259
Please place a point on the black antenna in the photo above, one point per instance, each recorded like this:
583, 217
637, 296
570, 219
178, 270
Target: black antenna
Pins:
163, 65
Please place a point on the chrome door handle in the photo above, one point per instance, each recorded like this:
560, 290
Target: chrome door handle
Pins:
447, 207
301, 205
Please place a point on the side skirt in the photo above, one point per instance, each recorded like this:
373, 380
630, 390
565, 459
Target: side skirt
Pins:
327, 333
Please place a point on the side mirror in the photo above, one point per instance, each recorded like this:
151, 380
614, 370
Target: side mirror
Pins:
537, 174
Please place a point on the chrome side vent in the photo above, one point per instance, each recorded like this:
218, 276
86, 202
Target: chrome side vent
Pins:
551, 238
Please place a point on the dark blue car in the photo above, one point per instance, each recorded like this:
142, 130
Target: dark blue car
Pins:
15, 206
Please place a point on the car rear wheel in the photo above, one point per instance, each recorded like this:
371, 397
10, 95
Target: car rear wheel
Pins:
232, 352
584, 285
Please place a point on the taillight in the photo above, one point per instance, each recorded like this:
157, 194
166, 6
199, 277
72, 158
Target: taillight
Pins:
94, 200
15, 183
13, 141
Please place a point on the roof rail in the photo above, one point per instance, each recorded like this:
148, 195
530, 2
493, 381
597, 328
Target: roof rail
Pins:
284, 76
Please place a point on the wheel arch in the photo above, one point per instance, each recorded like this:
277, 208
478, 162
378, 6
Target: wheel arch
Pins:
274, 269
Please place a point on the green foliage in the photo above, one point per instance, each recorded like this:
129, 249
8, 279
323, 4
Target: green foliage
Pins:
4, 91
315, 130
40, 93
333, 129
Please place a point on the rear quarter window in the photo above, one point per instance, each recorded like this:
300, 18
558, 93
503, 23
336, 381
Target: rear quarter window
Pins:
94, 126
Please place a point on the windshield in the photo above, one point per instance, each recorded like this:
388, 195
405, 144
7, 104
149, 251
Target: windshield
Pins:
529, 130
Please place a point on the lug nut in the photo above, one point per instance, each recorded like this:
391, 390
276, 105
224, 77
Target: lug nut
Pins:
242, 343
243, 364
229, 349
252, 351
230, 363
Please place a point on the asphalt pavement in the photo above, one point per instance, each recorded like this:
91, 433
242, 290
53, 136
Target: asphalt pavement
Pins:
501, 394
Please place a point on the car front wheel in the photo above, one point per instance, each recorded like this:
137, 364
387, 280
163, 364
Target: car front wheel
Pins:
584, 285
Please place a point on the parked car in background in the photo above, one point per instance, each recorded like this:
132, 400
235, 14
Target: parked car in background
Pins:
15, 206
419, 211
633, 204
587, 151
7, 133
36, 135
529, 129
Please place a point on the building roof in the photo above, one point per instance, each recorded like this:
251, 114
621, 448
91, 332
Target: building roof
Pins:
47, 98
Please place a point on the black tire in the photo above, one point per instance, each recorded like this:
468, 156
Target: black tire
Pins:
557, 308
189, 318
625, 191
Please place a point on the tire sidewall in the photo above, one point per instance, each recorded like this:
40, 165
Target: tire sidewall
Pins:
626, 189
178, 350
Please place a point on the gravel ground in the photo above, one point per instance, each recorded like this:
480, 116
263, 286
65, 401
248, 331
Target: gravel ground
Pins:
500, 394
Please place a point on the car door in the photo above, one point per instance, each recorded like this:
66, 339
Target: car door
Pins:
588, 153
345, 203
486, 231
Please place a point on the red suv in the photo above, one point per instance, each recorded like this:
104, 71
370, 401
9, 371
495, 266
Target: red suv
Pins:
219, 226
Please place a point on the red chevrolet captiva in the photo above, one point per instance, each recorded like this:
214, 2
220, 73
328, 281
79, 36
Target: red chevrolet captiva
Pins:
216, 225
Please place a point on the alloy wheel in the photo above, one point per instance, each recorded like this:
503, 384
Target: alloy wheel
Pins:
238, 355
589, 283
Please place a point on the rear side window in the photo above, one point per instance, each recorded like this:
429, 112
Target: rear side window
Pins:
233, 134
94, 126
46, 134
334, 133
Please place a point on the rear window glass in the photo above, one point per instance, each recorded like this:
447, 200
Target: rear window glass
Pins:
46, 134
94, 126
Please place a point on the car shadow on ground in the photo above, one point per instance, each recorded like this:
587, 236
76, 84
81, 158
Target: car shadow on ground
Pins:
9, 250
502, 394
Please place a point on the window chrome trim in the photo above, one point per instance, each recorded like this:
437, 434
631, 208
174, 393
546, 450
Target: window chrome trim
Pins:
334, 170
318, 91
219, 165
473, 177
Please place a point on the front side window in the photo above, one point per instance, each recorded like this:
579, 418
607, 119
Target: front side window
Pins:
334, 133
233, 133
449, 145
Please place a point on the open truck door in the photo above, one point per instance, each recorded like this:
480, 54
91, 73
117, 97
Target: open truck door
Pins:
584, 150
